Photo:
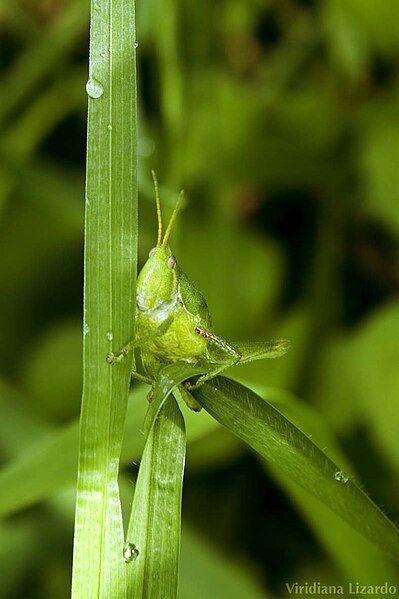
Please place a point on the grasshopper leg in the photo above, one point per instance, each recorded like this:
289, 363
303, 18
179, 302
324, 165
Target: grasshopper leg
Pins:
144, 379
112, 358
140, 377
233, 356
188, 399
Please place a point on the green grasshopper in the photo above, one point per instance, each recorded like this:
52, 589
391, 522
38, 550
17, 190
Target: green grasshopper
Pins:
173, 322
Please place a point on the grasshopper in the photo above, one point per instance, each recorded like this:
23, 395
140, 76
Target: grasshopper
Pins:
173, 323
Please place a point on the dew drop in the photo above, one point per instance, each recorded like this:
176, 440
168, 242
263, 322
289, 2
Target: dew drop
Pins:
87, 201
85, 328
103, 54
130, 552
136, 45
94, 88
109, 127
109, 336
341, 477
96, 5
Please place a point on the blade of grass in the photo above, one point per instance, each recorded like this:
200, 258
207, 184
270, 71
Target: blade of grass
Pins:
110, 269
153, 539
279, 441
357, 557
168, 377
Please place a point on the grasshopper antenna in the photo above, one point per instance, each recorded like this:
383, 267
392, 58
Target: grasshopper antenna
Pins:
172, 221
158, 203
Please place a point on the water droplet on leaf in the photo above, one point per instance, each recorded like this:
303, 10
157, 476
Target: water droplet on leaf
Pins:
341, 477
130, 552
109, 336
85, 328
94, 88
136, 45
109, 127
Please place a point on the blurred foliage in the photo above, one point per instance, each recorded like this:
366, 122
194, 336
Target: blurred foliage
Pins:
280, 120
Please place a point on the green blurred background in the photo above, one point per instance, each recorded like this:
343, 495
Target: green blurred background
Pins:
280, 118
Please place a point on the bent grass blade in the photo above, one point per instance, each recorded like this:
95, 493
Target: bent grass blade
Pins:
169, 377
279, 441
152, 546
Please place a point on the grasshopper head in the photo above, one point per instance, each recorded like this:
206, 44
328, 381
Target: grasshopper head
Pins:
157, 281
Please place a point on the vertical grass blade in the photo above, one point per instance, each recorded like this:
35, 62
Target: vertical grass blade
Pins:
110, 272
153, 540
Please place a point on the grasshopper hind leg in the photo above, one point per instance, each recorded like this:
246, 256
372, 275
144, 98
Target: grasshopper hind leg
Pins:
189, 399
232, 356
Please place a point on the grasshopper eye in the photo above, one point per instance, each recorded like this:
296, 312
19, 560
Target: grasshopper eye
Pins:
152, 252
171, 262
